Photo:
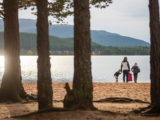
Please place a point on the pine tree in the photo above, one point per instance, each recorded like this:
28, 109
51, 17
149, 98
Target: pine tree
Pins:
81, 96
11, 88
44, 74
155, 55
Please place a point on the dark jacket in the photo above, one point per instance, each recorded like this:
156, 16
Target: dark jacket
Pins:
135, 69
117, 74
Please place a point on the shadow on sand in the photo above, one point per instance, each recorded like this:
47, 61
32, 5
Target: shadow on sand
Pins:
121, 100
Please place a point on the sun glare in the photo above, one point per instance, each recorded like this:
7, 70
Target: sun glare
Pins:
1, 61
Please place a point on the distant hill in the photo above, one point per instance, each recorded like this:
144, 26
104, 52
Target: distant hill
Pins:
58, 45
64, 46
66, 31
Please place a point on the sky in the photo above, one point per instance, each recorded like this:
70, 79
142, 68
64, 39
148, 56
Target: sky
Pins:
124, 17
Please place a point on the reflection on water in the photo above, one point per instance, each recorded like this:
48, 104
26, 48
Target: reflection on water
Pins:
103, 68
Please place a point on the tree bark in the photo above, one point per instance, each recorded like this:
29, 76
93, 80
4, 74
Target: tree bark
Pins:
155, 55
11, 88
81, 96
44, 75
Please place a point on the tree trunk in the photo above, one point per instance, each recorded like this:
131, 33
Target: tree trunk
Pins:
11, 88
44, 75
81, 96
155, 55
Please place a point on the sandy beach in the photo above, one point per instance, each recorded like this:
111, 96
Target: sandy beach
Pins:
115, 110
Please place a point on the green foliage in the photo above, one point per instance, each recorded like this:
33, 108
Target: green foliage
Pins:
1, 10
64, 46
60, 9
22, 4
26, 3
100, 3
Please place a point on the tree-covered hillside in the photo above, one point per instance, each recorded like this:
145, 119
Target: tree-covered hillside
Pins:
57, 45
100, 37
64, 46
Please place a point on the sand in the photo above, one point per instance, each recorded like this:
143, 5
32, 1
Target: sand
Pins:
106, 110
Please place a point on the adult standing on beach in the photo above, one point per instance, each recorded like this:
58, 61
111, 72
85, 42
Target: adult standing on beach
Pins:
125, 68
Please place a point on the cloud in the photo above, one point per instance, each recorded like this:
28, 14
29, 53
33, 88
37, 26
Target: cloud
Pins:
135, 8
126, 17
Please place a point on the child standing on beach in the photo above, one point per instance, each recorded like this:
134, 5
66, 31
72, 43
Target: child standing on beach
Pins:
116, 74
135, 69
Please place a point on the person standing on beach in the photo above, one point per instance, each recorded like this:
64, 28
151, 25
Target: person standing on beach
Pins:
125, 67
135, 69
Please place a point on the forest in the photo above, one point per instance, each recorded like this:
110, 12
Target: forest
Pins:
64, 46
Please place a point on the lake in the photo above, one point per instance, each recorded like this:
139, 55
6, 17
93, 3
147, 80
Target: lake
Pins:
103, 68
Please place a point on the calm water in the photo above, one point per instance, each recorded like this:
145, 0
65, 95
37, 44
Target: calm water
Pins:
103, 68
